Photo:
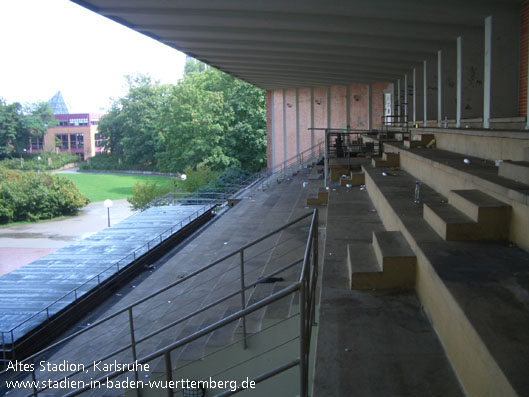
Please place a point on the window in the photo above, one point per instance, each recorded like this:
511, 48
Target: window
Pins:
77, 122
99, 140
94, 122
63, 123
77, 141
63, 141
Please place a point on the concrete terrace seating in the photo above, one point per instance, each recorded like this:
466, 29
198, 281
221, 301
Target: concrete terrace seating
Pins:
372, 342
446, 171
467, 288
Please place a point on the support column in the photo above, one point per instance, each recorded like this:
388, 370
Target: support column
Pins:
425, 93
487, 72
399, 104
297, 123
369, 109
439, 88
459, 62
284, 126
406, 108
272, 130
414, 97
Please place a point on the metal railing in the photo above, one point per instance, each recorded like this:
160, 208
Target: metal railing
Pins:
395, 123
305, 284
293, 164
8, 340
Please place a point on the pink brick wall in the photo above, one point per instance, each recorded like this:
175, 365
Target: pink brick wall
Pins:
338, 106
304, 119
290, 109
359, 106
304, 111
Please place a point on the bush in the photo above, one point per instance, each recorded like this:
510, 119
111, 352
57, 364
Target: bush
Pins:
227, 182
31, 163
198, 178
144, 193
28, 196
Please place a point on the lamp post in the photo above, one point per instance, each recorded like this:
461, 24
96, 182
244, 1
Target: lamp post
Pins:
183, 177
108, 204
38, 159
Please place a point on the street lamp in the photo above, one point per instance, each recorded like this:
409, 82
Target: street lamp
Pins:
183, 177
108, 204
38, 158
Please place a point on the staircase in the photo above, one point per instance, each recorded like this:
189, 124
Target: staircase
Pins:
469, 215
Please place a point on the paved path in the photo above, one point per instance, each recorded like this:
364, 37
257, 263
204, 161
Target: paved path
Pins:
23, 244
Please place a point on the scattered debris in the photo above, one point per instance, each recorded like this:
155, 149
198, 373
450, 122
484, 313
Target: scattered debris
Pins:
132, 286
347, 349
269, 280
466, 161
225, 243
118, 295
347, 185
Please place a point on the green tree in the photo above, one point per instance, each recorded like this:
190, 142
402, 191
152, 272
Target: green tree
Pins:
17, 123
131, 125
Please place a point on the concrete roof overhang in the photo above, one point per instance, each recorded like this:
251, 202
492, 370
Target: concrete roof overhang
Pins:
293, 43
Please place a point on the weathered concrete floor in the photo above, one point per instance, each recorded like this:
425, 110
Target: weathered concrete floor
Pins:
489, 280
27, 291
371, 343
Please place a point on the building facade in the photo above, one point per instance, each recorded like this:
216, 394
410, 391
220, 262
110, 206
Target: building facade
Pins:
76, 133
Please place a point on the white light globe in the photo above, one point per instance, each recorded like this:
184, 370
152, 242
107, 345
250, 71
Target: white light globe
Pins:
183, 177
108, 203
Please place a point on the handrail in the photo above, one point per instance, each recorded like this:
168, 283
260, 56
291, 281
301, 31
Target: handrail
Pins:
160, 291
97, 277
306, 285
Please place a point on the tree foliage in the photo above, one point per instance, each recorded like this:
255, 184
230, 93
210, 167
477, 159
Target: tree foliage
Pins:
18, 122
209, 118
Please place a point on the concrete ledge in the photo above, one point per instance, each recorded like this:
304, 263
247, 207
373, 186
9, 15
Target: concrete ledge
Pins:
516, 170
446, 171
486, 144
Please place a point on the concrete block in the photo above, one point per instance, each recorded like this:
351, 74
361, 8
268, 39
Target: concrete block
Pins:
515, 170
355, 179
448, 222
480, 207
387, 160
393, 266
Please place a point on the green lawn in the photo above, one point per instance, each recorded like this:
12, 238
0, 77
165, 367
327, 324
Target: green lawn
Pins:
99, 187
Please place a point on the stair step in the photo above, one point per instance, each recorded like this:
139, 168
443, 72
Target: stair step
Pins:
480, 207
515, 170
389, 263
419, 140
448, 222
392, 249
355, 179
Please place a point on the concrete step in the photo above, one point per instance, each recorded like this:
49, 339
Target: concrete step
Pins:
515, 170
481, 207
354, 179
469, 216
387, 160
449, 223
390, 265
417, 140
224, 336
321, 199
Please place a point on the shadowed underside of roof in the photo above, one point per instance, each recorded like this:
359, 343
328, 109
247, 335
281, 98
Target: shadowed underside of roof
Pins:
277, 44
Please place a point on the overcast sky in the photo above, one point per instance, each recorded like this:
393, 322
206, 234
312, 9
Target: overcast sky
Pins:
52, 45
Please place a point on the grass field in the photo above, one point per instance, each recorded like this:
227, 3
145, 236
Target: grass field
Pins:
99, 187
